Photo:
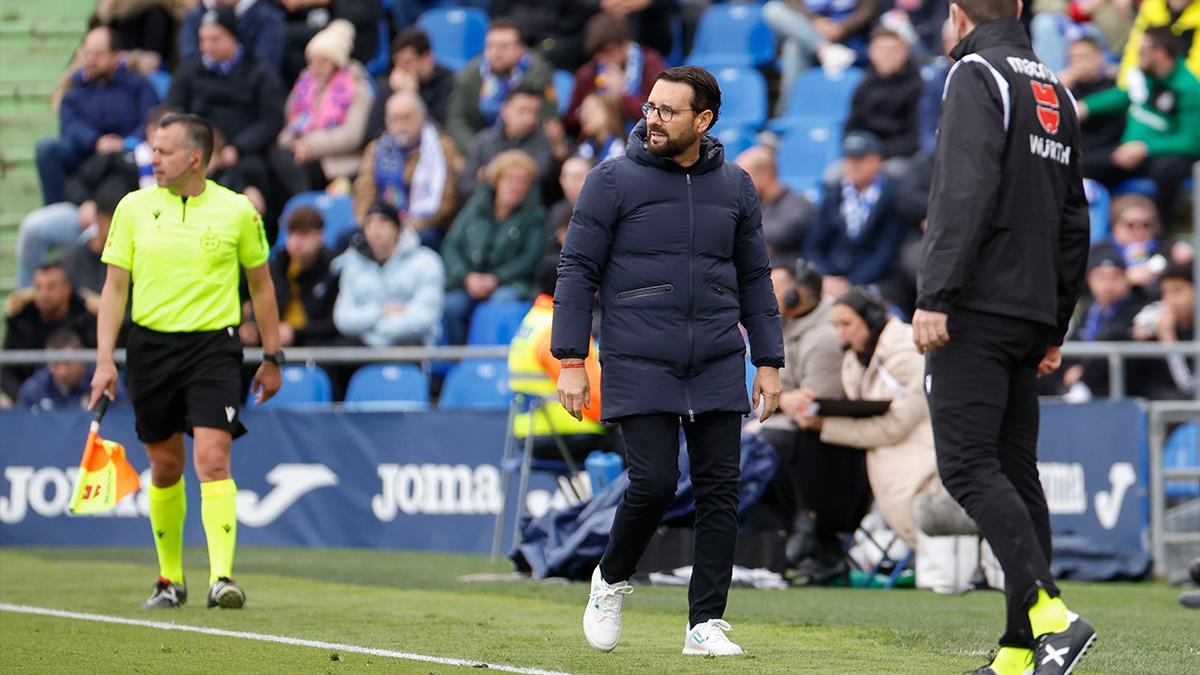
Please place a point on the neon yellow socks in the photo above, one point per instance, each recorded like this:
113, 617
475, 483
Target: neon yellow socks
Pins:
1012, 661
168, 509
218, 510
1048, 615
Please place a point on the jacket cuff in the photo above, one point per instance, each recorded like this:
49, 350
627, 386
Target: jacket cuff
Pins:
934, 305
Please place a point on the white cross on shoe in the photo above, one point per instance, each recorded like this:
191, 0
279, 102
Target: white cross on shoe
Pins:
1055, 655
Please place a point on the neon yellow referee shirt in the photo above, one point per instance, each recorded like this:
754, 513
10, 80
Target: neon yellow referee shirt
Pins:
184, 255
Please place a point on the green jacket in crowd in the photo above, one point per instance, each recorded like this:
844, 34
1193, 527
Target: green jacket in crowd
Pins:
463, 119
1163, 114
510, 250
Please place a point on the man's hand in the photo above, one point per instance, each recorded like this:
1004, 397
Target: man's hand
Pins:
300, 152
828, 28
1050, 362
266, 382
104, 381
109, 143
767, 389
87, 213
479, 285
929, 330
574, 390
1130, 156
229, 156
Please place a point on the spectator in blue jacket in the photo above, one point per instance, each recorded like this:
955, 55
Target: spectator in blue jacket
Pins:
856, 236
101, 113
60, 385
260, 25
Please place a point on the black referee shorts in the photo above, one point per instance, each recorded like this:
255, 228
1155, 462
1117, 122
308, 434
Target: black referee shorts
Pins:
179, 381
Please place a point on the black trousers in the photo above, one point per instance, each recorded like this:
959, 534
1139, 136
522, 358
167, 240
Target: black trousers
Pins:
652, 457
982, 388
828, 480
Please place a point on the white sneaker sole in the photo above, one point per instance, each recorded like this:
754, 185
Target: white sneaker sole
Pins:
692, 651
600, 647
231, 598
1082, 652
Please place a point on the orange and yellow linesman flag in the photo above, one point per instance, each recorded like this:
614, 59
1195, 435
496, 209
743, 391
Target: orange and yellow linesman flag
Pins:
105, 476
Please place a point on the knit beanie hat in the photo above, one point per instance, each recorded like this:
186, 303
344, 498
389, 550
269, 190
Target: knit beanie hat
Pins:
334, 42
224, 17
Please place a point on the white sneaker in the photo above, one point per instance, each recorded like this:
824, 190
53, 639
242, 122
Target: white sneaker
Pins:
709, 639
602, 618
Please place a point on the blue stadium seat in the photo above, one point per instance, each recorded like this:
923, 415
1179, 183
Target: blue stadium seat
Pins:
393, 385
564, 84
735, 139
456, 34
1099, 202
1183, 452
479, 384
161, 81
495, 323
803, 156
732, 34
303, 386
382, 61
1141, 186
817, 96
338, 212
743, 97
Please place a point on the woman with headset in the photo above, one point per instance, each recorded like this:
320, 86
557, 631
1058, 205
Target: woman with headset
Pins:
881, 363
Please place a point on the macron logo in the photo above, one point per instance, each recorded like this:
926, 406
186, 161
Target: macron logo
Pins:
230, 411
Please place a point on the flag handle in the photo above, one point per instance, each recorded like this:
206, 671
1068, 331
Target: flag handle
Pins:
98, 413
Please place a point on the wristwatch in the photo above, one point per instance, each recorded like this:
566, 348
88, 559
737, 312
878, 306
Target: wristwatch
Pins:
276, 358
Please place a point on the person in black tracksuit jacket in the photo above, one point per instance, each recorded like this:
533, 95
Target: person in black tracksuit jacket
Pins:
1002, 267
671, 236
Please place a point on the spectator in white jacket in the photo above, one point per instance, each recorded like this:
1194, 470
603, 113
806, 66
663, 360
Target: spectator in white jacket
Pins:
392, 287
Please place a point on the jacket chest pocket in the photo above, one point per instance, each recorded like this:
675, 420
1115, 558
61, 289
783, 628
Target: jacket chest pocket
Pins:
644, 292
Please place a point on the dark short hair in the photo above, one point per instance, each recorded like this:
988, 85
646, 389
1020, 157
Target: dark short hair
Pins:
197, 131
982, 11
603, 30
1179, 272
505, 23
51, 266
414, 38
107, 198
1090, 41
63, 338
706, 93
547, 273
524, 90
1161, 37
305, 219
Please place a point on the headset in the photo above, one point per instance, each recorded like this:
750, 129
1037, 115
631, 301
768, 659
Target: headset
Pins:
807, 274
875, 314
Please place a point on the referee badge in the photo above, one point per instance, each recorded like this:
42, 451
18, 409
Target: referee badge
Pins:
209, 240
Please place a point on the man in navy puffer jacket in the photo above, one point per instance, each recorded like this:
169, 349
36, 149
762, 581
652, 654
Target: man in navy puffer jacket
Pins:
670, 235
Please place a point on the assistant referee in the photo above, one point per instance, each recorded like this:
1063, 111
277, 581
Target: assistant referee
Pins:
181, 243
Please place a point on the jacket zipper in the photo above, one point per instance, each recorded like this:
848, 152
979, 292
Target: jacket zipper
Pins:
687, 385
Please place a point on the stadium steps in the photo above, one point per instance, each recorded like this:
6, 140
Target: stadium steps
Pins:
37, 40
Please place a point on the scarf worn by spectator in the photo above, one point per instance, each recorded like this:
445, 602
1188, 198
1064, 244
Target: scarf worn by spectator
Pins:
222, 67
493, 89
143, 156
856, 206
314, 107
593, 150
634, 60
424, 197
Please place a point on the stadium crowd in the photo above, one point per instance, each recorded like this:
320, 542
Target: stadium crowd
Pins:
455, 173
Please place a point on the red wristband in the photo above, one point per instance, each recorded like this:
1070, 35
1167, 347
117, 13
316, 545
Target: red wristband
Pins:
572, 365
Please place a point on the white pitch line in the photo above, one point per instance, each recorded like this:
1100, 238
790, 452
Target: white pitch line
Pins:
279, 639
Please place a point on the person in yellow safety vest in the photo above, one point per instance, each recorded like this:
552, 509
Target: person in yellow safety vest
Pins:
534, 371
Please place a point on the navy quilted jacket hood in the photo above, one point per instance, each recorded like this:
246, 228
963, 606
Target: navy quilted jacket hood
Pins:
678, 257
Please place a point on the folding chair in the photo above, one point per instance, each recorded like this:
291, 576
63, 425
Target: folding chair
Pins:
897, 564
526, 464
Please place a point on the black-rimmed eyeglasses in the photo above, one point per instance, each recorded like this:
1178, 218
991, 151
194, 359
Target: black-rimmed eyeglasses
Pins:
665, 112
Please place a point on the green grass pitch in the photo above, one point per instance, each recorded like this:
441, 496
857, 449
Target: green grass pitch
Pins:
414, 602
